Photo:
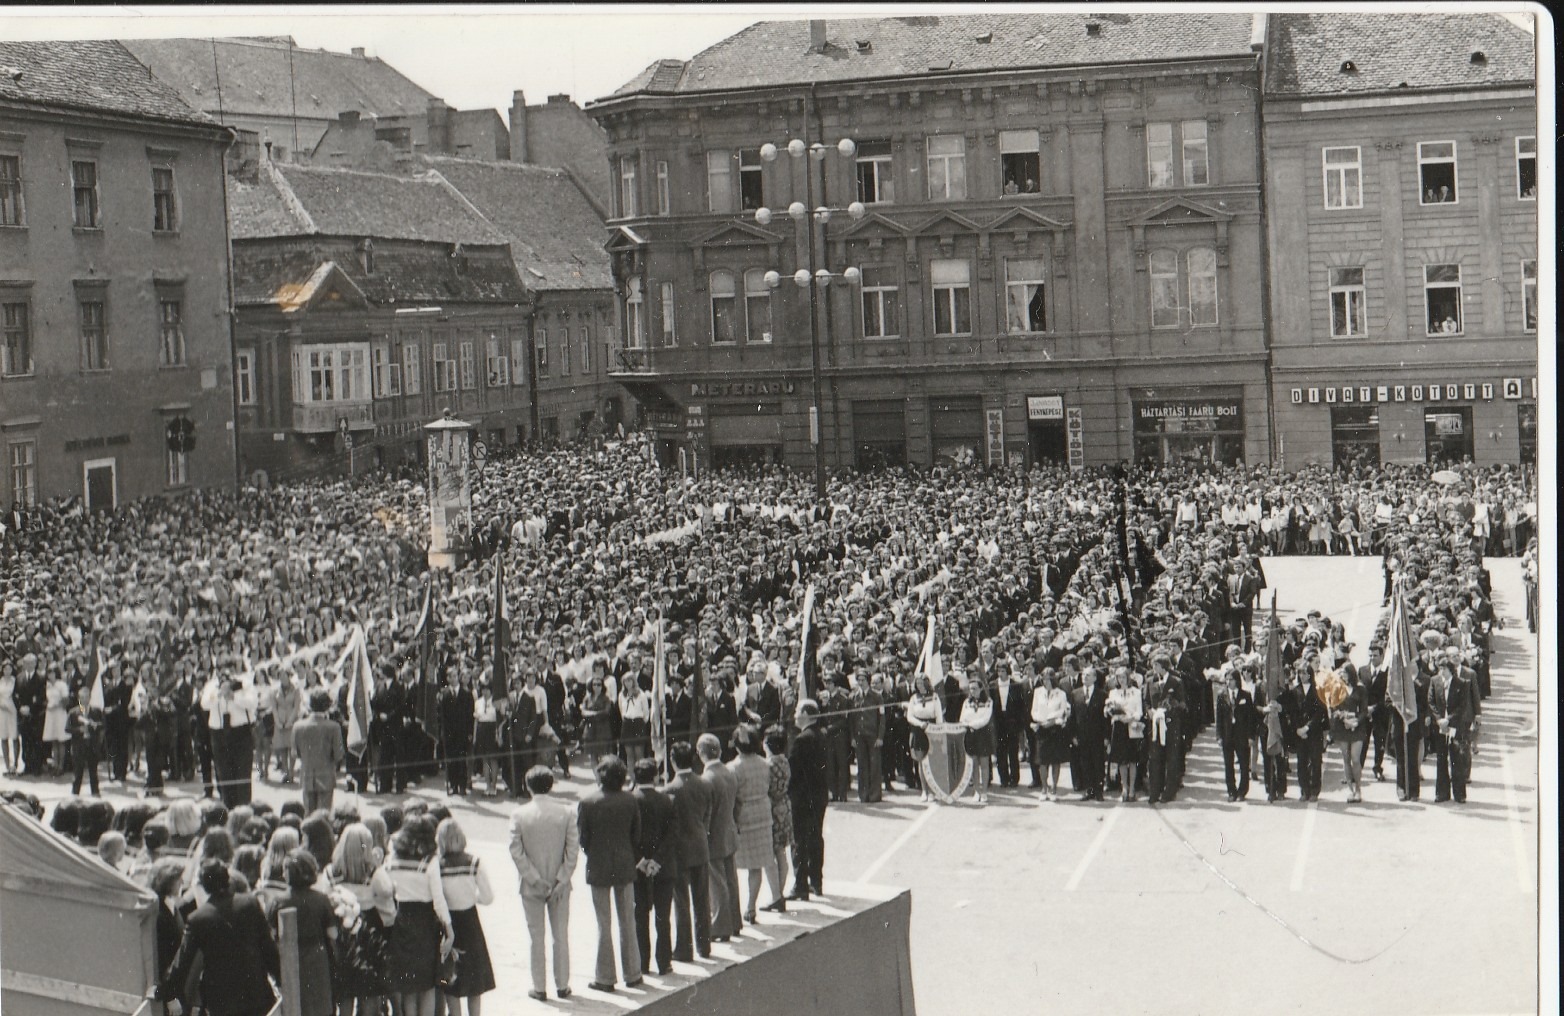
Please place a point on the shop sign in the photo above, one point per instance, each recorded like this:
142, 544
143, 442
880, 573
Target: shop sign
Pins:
1074, 433
694, 418
739, 389
1045, 407
996, 437
665, 419
1512, 388
91, 443
1228, 410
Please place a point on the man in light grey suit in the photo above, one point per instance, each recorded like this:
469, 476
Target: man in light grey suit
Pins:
317, 743
722, 839
545, 845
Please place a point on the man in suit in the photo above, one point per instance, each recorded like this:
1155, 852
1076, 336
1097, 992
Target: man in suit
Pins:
1166, 707
317, 743
1088, 731
609, 821
1012, 711
1305, 715
1454, 703
658, 865
832, 732
229, 934
722, 839
388, 710
867, 725
1243, 588
455, 710
1409, 734
691, 797
807, 794
545, 845
1376, 690
1236, 722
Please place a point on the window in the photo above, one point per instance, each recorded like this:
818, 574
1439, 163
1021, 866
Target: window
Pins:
1525, 170
1026, 295
564, 351
947, 167
1201, 263
724, 308
1163, 266
331, 374
444, 369
1436, 171
16, 357
719, 181
244, 377
952, 283
497, 362
412, 373
1020, 165
586, 350
1442, 297
1159, 155
469, 366
670, 330
84, 194
165, 216
540, 345
664, 192
635, 318
1197, 169
518, 359
881, 303
387, 372
1343, 169
752, 189
627, 165
757, 306
171, 333
23, 459
94, 336
11, 190
875, 183
1347, 316
178, 468
1529, 295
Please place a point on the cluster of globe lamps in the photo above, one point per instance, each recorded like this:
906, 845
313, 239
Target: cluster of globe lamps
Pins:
798, 210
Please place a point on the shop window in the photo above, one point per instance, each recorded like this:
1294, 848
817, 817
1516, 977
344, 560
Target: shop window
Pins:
719, 181
11, 191
22, 458
881, 303
1163, 269
627, 190
1529, 294
165, 211
1026, 295
1447, 435
1354, 436
94, 336
1347, 295
724, 309
16, 356
1020, 162
1436, 172
757, 306
752, 180
1197, 167
244, 377
873, 165
1442, 297
1201, 264
85, 213
1159, 155
947, 173
1526, 168
1343, 168
952, 283
635, 316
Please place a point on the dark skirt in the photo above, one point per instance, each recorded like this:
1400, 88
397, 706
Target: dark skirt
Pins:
363, 959
415, 948
474, 973
1122, 748
486, 742
1053, 746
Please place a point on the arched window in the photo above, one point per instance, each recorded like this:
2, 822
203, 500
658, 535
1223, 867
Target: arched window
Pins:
1202, 286
1164, 289
724, 308
635, 320
757, 306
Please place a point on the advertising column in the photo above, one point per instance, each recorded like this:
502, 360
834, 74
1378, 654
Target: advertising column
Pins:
450, 492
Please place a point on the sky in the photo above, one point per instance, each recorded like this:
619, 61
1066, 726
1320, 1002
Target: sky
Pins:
475, 57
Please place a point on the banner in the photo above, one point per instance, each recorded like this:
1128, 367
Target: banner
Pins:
1401, 659
501, 631
660, 696
353, 666
805, 690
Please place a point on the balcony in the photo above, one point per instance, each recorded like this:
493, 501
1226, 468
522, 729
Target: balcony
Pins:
325, 417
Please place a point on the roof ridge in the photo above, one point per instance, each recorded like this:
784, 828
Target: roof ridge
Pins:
289, 198
454, 191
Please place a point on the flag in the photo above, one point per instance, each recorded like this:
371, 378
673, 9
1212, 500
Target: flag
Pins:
1273, 678
929, 661
698, 690
501, 630
426, 692
805, 670
100, 659
1401, 659
355, 669
660, 697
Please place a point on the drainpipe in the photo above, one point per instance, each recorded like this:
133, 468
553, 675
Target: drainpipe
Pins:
231, 312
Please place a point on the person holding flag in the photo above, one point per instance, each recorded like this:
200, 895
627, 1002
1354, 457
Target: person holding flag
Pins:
1406, 689
1274, 739
85, 724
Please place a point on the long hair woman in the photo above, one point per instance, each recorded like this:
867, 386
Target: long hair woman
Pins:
466, 887
781, 813
923, 708
977, 715
1126, 713
755, 854
362, 965
422, 931
1051, 717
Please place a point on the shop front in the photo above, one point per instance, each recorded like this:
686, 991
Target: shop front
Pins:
1047, 442
745, 434
958, 430
1354, 436
1447, 434
1188, 426
879, 434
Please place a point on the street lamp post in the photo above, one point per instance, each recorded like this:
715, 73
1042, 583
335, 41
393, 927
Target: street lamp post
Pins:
814, 278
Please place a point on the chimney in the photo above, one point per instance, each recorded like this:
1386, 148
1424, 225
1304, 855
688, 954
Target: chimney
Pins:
518, 127
438, 139
1257, 34
817, 36
358, 51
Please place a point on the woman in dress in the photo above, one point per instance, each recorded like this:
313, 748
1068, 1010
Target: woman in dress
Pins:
1125, 711
923, 708
597, 725
422, 931
317, 932
781, 812
355, 870
466, 888
265, 726
57, 710
10, 728
1349, 727
635, 719
755, 854
977, 715
1051, 724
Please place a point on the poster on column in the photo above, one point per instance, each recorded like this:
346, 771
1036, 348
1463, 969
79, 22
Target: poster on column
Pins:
1073, 433
996, 438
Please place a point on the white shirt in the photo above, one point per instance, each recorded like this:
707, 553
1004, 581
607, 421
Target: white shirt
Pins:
238, 708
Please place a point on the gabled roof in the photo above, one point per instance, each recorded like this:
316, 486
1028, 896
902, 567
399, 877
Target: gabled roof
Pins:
274, 77
91, 75
778, 52
554, 232
1391, 51
290, 279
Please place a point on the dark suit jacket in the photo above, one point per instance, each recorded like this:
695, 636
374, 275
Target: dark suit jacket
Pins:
610, 827
806, 759
230, 934
1016, 712
659, 834
1087, 721
691, 797
1458, 704
1236, 717
1302, 705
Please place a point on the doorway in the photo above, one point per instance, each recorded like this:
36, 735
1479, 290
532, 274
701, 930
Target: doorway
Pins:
1048, 443
100, 490
1447, 435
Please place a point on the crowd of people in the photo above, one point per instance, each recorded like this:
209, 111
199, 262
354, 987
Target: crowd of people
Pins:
1095, 621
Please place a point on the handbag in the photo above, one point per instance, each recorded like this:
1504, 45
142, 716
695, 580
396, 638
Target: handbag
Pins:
447, 974
1137, 728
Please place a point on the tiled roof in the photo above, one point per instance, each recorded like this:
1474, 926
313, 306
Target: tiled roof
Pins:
264, 276
778, 52
1305, 52
556, 236
348, 202
661, 76
98, 75
257, 209
273, 77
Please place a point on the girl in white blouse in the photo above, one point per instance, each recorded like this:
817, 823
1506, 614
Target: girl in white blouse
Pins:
922, 709
422, 932
977, 714
1125, 711
1050, 719
466, 887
